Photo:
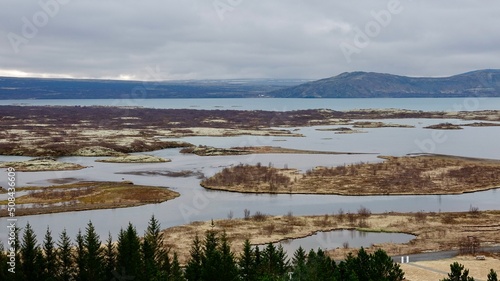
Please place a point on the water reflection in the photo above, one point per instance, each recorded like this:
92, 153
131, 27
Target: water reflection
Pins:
340, 238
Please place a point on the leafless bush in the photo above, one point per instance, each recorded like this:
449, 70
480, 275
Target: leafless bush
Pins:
289, 217
341, 215
325, 220
258, 216
474, 211
269, 229
448, 219
247, 175
420, 217
345, 245
362, 223
351, 218
469, 245
246, 214
230, 215
364, 212
286, 229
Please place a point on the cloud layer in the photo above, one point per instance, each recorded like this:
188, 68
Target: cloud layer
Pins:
207, 39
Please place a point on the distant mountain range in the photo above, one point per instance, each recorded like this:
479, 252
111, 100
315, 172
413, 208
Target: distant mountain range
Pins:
41, 88
481, 83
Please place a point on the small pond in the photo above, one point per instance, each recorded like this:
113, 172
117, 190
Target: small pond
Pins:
328, 240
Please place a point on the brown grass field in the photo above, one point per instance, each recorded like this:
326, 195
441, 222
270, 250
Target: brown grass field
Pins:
63, 130
214, 151
38, 165
433, 231
88, 196
395, 176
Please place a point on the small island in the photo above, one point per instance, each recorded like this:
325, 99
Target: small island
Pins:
41, 164
481, 124
373, 124
415, 175
444, 126
87, 196
341, 130
214, 151
134, 159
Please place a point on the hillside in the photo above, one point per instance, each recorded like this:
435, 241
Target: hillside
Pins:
481, 83
37, 88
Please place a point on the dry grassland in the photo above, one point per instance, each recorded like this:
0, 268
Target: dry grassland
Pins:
418, 175
88, 196
433, 231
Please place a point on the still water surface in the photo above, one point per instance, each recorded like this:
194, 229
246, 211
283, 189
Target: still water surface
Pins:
427, 104
196, 203
335, 239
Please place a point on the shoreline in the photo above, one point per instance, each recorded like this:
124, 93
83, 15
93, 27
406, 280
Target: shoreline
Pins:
246, 150
88, 195
426, 227
354, 194
396, 176
65, 130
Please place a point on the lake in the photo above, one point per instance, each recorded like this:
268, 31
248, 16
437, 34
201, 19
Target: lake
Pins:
427, 104
196, 203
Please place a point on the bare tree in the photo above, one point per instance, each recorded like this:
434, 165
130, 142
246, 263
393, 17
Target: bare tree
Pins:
246, 214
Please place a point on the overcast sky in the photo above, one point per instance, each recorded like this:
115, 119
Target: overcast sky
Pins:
206, 39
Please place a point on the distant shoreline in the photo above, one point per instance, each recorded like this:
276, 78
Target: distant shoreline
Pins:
66, 130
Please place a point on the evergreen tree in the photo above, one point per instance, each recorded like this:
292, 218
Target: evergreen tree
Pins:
31, 265
492, 276
80, 257
227, 266
109, 258
193, 268
456, 273
149, 271
385, 268
299, 265
128, 261
258, 261
176, 271
299, 257
155, 256
164, 263
366, 266
64, 257
274, 263
50, 262
93, 259
319, 266
282, 261
246, 262
345, 271
362, 265
211, 257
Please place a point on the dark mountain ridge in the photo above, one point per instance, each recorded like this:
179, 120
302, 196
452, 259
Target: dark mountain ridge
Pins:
43, 88
480, 83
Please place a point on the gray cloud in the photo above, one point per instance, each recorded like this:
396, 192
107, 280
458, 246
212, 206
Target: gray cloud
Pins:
253, 39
